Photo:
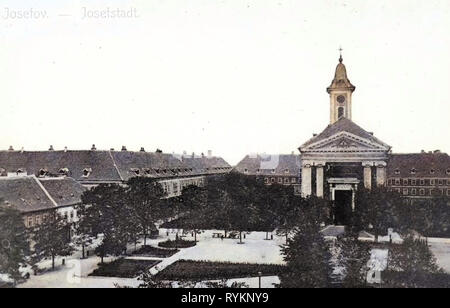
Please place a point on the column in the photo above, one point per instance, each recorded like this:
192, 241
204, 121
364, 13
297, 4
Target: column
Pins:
319, 181
367, 176
306, 180
381, 174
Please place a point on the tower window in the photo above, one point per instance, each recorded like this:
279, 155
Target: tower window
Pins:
340, 112
341, 99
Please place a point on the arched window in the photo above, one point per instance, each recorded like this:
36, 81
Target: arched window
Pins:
340, 112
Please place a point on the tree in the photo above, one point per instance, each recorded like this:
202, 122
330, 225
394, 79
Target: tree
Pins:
353, 259
377, 208
194, 206
14, 243
106, 212
144, 198
308, 258
52, 238
411, 264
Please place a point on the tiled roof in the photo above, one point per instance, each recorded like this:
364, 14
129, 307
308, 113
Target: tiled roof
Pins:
108, 166
346, 125
262, 164
24, 194
64, 191
99, 163
29, 194
431, 165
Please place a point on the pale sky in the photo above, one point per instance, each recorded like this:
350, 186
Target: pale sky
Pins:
234, 77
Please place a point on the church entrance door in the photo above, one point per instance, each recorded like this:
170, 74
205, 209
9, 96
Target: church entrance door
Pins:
343, 207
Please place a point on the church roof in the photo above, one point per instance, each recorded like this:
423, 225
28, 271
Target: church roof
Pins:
341, 80
343, 125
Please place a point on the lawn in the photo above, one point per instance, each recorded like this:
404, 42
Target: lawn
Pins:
155, 252
203, 270
124, 268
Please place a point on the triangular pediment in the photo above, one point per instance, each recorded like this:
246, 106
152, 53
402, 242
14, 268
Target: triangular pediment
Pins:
345, 136
345, 142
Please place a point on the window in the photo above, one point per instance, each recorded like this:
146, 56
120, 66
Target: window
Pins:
397, 171
280, 180
43, 172
448, 171
405, 191
286, 181
340, 112
293, 180
286, 171
246, 170
448, 192
413, 171
422, 192
63, 171
413, 182
273, 170
441, 182
397, 182
405, 181
432, 171
432, 182
272, 180
413, 191
422, 182
266, 180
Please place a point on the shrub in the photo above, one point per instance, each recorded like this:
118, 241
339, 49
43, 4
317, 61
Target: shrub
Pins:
150, 251
177, 244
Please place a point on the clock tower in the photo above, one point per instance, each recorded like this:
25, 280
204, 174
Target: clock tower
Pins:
340, 92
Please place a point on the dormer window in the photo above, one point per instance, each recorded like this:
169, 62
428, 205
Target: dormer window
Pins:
136, 171
273, 170
42, 173
448, 171
63, 171
286, 171
87, 172
397, 171
432, 171
413, 171
246, 170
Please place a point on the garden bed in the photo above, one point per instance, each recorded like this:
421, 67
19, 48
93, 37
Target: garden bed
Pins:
124, 268
155, 252
177, 244
203, 270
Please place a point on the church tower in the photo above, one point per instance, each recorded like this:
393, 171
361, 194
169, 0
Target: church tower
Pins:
340, 92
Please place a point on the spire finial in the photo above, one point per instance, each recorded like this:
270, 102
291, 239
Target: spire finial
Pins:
340, 55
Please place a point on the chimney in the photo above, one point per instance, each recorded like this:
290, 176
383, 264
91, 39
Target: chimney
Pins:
292, 153
184, 153
112, 149
22, 150
11, 148
193, 154
314, 135
65, 149
51, 148
203, 155
437, 151
142, 149
371, 133
423, 151
93, 148
158, 151
124, 148
209, 153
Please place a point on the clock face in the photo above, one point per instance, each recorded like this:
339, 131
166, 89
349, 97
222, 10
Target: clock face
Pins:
341, 99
